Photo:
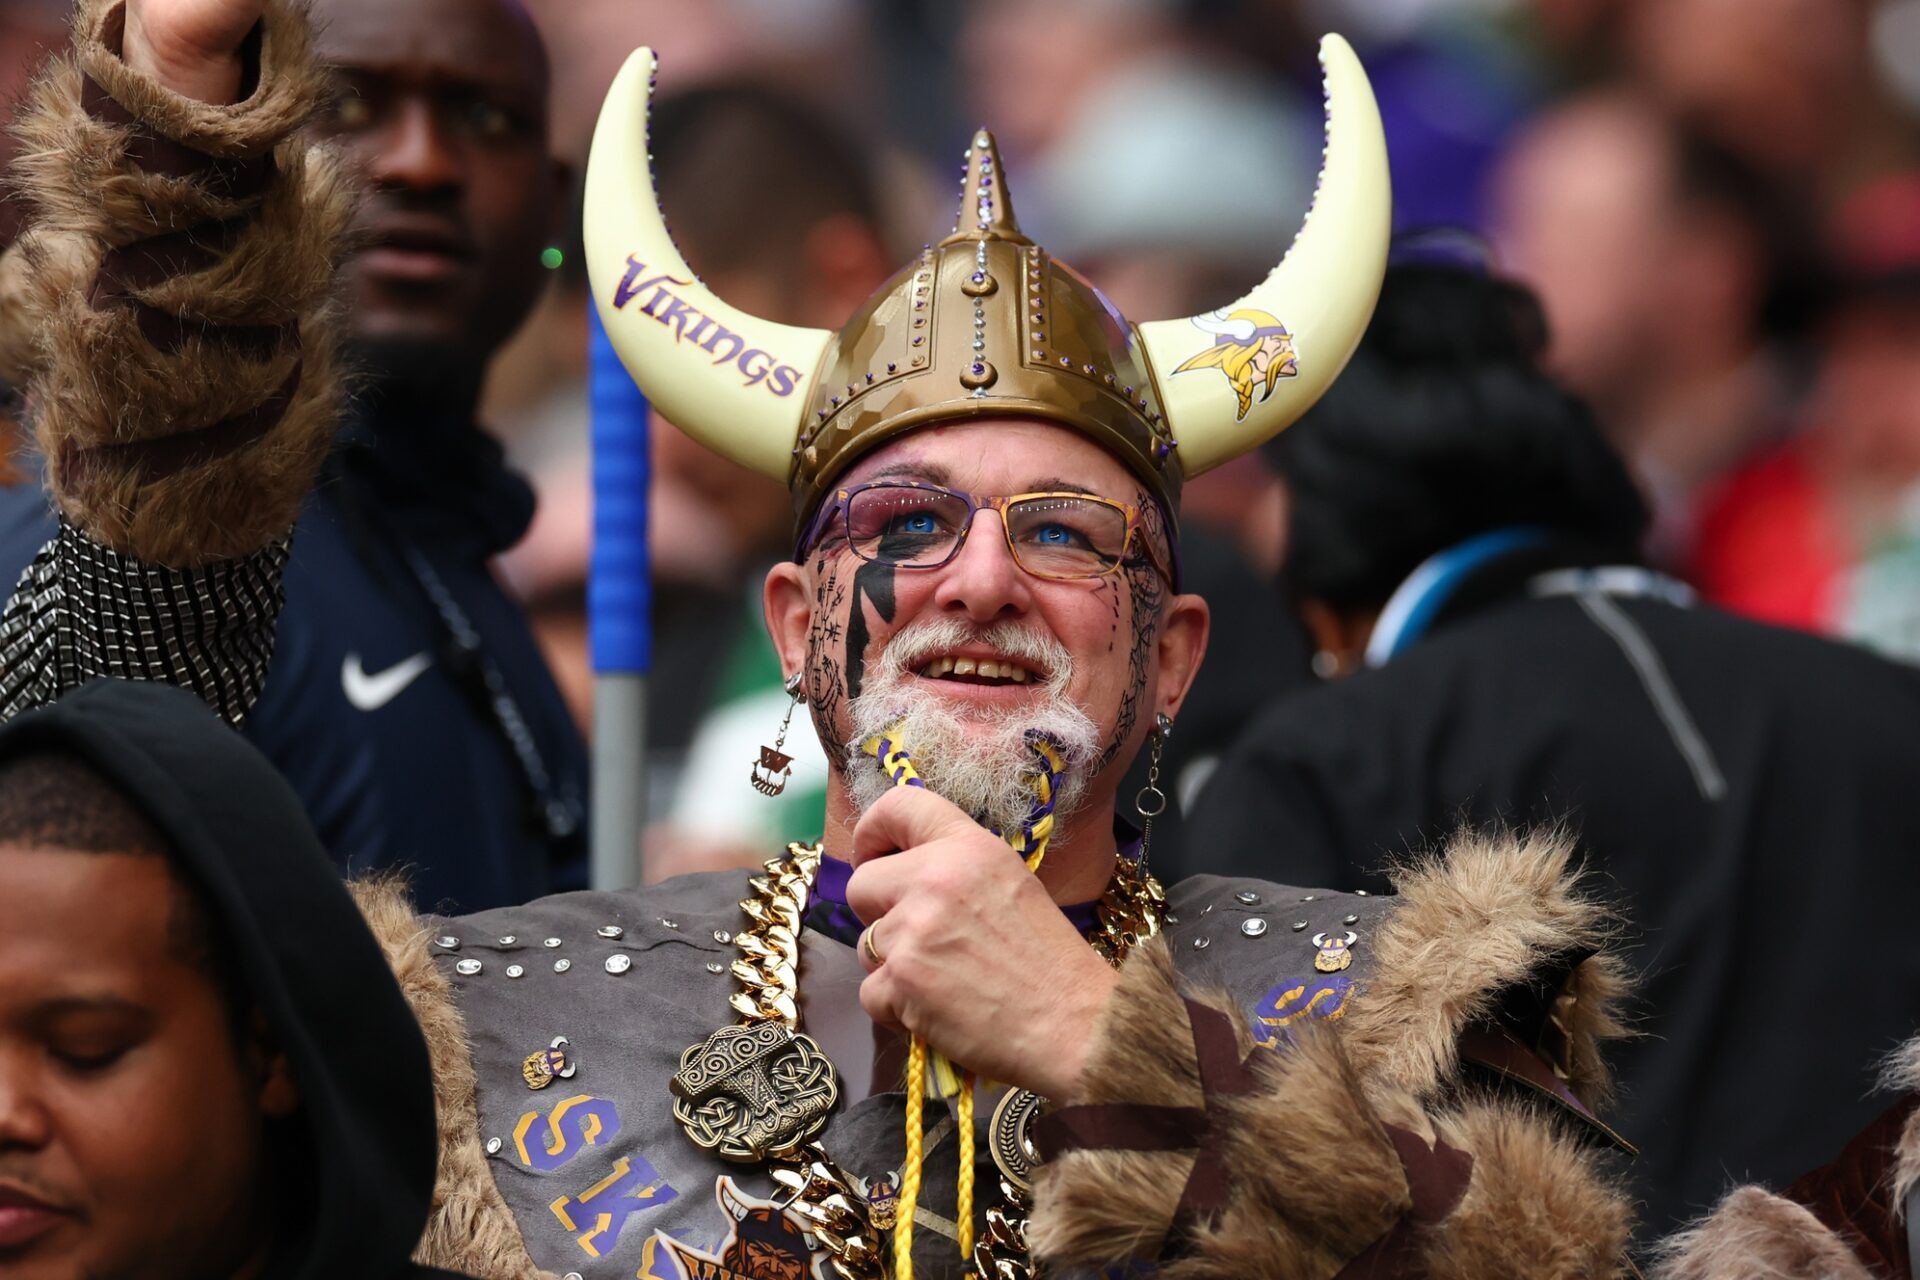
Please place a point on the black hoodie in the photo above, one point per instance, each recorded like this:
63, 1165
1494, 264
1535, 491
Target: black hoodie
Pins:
308, 961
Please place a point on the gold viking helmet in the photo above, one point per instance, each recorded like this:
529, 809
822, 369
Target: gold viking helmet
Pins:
986, 323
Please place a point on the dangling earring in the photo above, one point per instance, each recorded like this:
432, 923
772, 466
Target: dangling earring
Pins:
1150, 802
773, 768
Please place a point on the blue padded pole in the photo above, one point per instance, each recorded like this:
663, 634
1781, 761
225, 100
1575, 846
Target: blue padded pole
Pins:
619, 615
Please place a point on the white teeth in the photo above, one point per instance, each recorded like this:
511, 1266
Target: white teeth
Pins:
963, 666
988, 669
1017, 674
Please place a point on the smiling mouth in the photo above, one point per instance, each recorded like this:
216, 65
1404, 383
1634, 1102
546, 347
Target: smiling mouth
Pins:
986, 671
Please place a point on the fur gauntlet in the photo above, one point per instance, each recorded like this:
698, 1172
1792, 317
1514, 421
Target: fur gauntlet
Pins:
1357, 1148
170, 301
1313, 1173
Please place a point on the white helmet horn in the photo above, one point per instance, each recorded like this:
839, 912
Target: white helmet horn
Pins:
735, 382
1312, 309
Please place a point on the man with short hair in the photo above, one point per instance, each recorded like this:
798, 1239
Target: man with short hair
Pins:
410, 706
206, 1070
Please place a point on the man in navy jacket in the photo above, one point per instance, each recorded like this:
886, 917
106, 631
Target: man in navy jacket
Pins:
408, 703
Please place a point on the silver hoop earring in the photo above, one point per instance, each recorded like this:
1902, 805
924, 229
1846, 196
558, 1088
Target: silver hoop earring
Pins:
1150, 801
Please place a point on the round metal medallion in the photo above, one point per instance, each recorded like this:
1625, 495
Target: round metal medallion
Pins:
1011, 1136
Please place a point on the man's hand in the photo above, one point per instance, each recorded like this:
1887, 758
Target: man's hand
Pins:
191, 46
976, 956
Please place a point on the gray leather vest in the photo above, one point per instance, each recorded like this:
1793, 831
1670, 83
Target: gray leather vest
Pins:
599, 1175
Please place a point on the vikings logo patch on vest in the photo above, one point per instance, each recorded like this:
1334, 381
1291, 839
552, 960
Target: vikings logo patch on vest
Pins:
766, 1243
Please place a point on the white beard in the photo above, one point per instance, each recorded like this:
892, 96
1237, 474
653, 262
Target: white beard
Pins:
980, 760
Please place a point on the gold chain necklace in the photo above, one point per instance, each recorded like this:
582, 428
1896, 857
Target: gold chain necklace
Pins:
761, 1091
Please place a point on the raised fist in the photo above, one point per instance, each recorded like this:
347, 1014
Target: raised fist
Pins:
191, 46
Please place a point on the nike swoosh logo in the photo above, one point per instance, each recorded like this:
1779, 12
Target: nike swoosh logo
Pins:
371, 692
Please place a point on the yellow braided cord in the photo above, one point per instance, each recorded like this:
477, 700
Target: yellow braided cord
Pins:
964, 1209
910, 1171
1031, 842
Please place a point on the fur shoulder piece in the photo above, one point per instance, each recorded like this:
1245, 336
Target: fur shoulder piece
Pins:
174, 286
471, 1231
1353, 1148
1494, 915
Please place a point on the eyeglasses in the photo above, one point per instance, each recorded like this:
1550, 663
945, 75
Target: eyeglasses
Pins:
1057, 536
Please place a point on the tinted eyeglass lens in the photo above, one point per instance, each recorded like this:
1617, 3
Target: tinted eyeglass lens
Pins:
901, 525
1067, 537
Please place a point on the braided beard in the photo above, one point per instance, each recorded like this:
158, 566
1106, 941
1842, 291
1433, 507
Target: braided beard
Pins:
978, 759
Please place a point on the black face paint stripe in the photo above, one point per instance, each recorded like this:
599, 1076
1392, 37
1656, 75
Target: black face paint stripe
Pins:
873, 581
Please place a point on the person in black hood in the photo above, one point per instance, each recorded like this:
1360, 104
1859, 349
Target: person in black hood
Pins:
1464, 546
206, 1068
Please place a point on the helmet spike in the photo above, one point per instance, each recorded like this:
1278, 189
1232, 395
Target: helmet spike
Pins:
986, 209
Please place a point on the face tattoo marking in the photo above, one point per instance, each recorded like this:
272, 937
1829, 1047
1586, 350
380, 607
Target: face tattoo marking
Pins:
1148, 592
1109, 588
824, 686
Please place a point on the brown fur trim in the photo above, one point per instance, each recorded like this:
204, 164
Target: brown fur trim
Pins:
1901, 1074
1472, 922
16, 333
471, 1230
1316, 1180
1539, 1205
289, 88
101, 382
1755, 1235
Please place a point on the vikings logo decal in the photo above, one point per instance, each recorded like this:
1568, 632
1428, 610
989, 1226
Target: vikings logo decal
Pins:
754, 367
1336, 950
542, 1067
765, 1244
1252, 348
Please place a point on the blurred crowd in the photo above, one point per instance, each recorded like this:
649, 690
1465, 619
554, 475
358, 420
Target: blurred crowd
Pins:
1717, 203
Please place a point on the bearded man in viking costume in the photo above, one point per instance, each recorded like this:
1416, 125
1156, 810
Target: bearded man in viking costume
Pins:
966, 1032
